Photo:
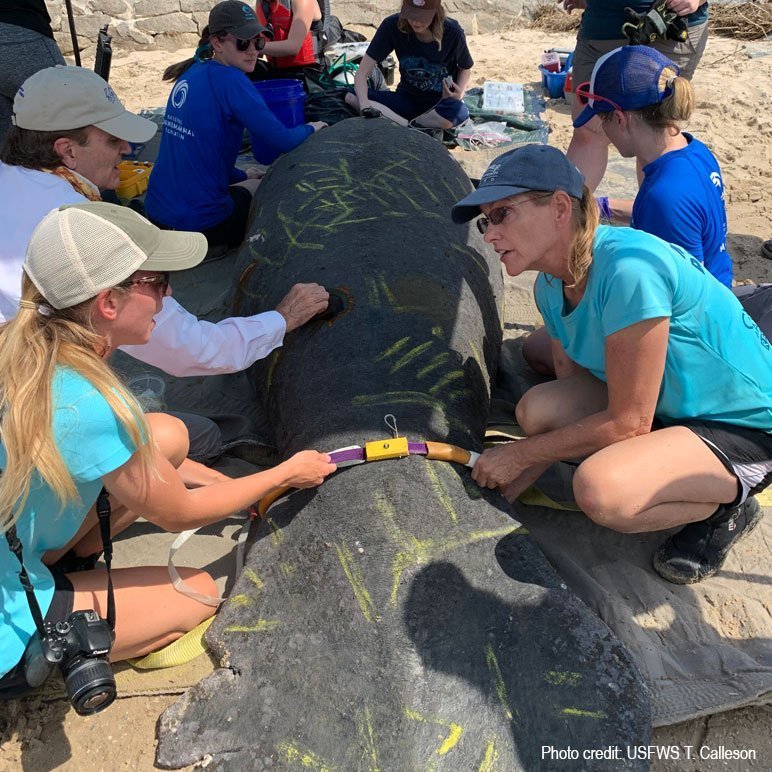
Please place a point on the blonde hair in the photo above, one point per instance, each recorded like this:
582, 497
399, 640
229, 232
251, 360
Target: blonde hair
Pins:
32, 345
436, 28
585, 218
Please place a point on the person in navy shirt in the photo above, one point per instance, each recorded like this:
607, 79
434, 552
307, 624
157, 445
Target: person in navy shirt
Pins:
195, 184
434, 68
642, 101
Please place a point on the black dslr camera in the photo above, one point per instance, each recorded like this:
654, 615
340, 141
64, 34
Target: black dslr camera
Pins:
79, 647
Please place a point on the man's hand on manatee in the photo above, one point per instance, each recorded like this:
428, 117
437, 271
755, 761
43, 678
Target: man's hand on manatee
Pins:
497, 467
306, 469
301, 303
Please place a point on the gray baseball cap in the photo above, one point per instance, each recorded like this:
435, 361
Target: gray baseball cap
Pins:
63, 98
526, 168
235, 17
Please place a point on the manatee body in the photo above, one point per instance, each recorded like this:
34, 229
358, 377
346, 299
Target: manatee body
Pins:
396, 618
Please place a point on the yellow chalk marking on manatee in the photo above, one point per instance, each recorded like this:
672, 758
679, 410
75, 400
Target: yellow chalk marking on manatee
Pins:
498, 680
436, 362
583, 713
438, 332
254, 578
419, 552
357, 582
490, 758
478, 357
372, 294
277, 535
261, 626
393, 349
439, 489
288, 569
560, 678
453, 375
292, 754
367, 739
240, 600
406, 359
388, 294
450, 741
290, 229
473, 255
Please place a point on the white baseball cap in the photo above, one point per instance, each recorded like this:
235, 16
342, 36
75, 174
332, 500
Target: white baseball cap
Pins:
79, 250
63, 98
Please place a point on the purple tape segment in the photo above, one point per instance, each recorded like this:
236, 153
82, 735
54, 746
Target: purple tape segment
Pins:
353, 455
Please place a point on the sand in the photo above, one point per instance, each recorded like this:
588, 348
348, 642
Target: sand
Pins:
733, 98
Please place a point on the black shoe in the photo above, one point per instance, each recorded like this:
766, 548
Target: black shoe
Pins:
70, 563
699, 549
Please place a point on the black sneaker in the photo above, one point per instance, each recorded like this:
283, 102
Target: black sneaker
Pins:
699, 549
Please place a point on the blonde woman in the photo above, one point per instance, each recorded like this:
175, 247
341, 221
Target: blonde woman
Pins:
434, 68
94, 278
664, 384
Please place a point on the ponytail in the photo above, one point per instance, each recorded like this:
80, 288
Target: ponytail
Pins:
675, 109
586, 217
203, 51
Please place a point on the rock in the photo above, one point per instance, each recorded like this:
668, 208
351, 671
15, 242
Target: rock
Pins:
172, 23
155, 7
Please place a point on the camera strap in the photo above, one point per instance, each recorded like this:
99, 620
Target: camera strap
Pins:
103, 513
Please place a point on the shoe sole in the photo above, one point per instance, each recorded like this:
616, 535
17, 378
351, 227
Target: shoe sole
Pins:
675, 578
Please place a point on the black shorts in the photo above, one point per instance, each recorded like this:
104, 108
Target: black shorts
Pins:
746, 453
230, 232
13, 684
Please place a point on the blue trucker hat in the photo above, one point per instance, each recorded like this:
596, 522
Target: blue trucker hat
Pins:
627, 78
526, 168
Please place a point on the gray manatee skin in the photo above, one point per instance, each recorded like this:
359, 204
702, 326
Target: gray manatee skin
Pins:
397, 617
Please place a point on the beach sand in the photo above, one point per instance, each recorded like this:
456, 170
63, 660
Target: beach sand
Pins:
734, 92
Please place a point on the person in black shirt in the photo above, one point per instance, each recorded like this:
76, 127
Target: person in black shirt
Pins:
26, 45
434, 67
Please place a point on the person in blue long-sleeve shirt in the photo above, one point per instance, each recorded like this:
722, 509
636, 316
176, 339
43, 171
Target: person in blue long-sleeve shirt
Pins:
195, 184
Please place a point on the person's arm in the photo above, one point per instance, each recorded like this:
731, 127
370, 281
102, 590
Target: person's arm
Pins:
366, 66
635, 363
460, 85
302, 19
618, 211
164, 500
183, 345
570, 5
563, 364
685, 7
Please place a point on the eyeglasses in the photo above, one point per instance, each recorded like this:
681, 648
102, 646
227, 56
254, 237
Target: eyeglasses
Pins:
243, 45
499, 214
584, 95
160, 279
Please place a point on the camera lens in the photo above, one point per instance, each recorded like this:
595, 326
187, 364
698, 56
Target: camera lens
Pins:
90, 684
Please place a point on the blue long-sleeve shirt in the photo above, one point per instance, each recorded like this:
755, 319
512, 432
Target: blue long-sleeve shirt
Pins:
206, 114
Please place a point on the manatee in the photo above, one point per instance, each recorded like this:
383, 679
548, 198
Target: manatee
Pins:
397, 617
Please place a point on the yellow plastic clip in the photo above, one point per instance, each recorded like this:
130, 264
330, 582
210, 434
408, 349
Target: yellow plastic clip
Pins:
380, 450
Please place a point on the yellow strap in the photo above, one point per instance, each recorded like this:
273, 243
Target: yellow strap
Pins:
183, 650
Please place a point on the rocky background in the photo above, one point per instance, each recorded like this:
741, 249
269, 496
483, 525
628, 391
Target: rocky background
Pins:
173, 24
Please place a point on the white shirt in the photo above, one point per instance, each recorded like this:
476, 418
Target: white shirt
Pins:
180, 344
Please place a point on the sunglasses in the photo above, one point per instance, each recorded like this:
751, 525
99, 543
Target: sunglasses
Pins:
243, 45
161, 279
499, 214
584, 95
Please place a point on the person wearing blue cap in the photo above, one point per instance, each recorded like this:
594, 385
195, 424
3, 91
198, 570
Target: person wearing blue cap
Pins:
664, 383
642, 102
602, 30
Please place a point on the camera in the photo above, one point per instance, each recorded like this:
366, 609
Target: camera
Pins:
79, 647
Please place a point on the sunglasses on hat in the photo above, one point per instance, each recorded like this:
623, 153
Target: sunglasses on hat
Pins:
584, 95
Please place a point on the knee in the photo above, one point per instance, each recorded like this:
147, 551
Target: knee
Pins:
170, 436
532, 414
599, 491
202, 583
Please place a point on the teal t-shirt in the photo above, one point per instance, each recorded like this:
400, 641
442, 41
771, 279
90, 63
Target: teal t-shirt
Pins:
718, 365
603, 19
92, 443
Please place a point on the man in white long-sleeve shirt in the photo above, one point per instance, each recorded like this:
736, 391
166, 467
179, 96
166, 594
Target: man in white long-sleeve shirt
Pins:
70, 132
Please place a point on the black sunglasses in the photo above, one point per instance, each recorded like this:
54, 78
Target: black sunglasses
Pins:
243, 45
161, 279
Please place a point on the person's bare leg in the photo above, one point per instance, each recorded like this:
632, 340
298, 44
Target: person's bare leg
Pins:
550, 406
432, 120
149, 612
653, 482
537, 352
588, 148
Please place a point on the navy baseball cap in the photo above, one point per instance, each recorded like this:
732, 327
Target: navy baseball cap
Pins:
237, 18
526, 168
627, 78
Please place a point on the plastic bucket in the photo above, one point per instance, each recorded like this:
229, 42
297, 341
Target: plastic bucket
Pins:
286, 99
553, 82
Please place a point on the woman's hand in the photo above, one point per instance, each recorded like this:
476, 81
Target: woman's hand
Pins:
307, 469
497, 467
318, 125
254, 172
570, 5
451, 89
684, 7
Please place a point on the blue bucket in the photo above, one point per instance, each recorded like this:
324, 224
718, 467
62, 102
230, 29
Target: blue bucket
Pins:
553, 83
286, 99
